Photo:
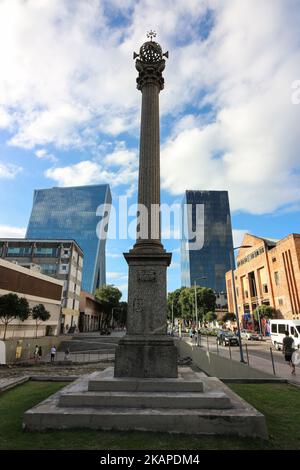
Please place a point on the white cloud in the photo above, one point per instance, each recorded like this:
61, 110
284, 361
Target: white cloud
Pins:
67, 78
85, 172
5, 119
9, 171
251, 147
121, 157
116, 168
44, 154
90, 172
6, 231
116, 275
61, 70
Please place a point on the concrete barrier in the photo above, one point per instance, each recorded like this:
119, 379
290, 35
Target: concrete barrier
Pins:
218, 366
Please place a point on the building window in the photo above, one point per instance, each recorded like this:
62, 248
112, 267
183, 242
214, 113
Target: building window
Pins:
265, 288
276, 277
273, 260
45, 252
19, 251
280, 301
252, 283
246, 294
237, 291
49, 269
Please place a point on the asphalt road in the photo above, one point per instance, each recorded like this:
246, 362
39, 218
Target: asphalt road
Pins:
256, 350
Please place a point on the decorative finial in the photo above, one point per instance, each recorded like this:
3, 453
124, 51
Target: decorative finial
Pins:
151, 34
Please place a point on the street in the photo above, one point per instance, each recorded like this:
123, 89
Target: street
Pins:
259, 356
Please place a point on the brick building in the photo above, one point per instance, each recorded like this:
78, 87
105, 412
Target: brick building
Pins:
267, 273
90, 312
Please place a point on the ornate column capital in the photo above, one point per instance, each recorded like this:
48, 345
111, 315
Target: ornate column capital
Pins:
150, 64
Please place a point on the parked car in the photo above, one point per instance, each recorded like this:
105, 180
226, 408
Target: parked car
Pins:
227, 338
104, 331
250, 335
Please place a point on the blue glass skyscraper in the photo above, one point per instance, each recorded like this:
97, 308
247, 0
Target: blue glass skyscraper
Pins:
208, 259
70, 213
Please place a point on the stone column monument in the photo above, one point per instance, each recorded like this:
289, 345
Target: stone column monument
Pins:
146, 350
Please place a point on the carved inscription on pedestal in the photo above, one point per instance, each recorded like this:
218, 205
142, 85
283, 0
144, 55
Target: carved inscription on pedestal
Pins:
146, 276
138, 306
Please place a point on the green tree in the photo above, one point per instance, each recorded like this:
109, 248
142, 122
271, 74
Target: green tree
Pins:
186, 304
206, 302
229, 316
39, 314
173, 298
13, 307
265, 311
120, 314
210, 316
109, 297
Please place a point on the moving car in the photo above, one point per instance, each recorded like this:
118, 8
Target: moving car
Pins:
227, 338
250, 335
278, 329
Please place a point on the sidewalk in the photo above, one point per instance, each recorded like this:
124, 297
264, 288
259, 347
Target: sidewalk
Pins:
94, 356
282, 370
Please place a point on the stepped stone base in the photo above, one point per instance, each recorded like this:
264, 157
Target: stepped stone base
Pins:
190, 404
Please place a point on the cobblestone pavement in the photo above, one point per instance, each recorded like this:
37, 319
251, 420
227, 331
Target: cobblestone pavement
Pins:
52, 369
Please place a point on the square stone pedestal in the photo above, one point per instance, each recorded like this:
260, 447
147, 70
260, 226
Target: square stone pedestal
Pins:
142, 356
146, 350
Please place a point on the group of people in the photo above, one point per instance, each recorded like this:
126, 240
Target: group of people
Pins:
38, 353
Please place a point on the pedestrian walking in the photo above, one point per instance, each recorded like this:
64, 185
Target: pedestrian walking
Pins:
36, 353
53, 353
288, 350
40, 353
67, 354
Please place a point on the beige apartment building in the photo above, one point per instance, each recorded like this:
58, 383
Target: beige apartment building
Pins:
268, 272
37, 288
61, 259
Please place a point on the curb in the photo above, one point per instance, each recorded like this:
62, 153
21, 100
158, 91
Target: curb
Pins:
11, 383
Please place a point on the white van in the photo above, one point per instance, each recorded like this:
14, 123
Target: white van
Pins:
278, 329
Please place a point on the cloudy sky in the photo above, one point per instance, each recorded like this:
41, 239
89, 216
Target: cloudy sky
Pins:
230, 111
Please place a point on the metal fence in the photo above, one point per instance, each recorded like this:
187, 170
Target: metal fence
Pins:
203, 341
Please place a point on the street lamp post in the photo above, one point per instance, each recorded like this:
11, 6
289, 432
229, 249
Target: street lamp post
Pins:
235, 299
196, 306
112, 316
